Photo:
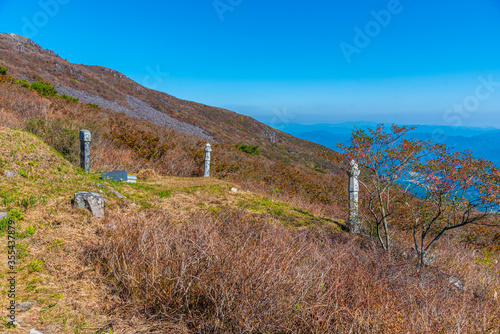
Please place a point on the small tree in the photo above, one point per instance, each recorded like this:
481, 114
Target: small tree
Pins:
3, 70
454, 189
458, 190
44, 88
253, 150
385, 158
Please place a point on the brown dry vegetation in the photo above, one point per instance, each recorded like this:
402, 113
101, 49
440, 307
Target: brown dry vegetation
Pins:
122, 142
225, 126
192, 257
233, 273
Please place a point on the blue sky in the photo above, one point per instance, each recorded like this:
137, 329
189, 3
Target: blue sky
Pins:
414, 61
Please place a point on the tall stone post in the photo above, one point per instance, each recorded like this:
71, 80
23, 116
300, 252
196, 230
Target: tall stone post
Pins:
353, 222
85, 138
208, 149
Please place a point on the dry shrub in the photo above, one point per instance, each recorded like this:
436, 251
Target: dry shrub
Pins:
178, 162
147, 174
105, 156
9, 120
123, 142
229, 272
25, 103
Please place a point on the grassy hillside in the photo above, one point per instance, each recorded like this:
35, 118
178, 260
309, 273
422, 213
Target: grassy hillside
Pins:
188, 255
28, 60
55, 238
123, 142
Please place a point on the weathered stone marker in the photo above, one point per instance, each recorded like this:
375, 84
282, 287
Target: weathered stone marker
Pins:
208, 149
119, 176
353, 221
85, 138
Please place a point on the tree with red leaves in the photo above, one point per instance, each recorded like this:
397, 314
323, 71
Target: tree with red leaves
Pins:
457, 189
385, 157
454, 189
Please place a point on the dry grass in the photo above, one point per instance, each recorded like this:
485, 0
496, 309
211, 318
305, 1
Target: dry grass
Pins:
193, 257
229, 272
50, 236
147, 174
66, 294
121, 142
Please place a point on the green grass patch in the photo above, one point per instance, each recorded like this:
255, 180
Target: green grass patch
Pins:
166, 193
35, 266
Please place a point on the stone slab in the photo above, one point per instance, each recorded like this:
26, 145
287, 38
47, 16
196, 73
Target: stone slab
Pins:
119, 176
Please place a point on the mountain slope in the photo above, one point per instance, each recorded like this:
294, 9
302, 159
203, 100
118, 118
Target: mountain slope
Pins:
66, 292
26, 59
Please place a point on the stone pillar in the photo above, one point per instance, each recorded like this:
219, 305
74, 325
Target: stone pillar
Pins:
85, 138
353, 222
208, 149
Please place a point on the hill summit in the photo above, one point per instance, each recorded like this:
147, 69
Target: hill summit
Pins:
113, 90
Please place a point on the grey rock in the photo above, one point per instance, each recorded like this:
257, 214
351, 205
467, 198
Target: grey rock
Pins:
34, 331
9, 173
354, 223
85, 139
93, 202
3, 215
117, 193
456, 282
22, 307
429, 258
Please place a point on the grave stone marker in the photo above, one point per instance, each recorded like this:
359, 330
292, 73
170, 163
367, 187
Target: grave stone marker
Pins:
208, 149
118, 176
85, 138
353, 221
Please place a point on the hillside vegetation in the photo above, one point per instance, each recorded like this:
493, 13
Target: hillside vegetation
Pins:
27, 60
186, 254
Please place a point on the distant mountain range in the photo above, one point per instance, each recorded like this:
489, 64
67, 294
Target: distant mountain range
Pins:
483, 142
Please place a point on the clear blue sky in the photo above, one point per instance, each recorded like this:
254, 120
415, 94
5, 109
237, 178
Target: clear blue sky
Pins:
282, 61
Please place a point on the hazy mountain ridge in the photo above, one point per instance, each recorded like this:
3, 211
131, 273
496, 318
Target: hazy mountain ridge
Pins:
483, 142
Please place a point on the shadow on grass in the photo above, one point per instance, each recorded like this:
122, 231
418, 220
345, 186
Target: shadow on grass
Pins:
343, 227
